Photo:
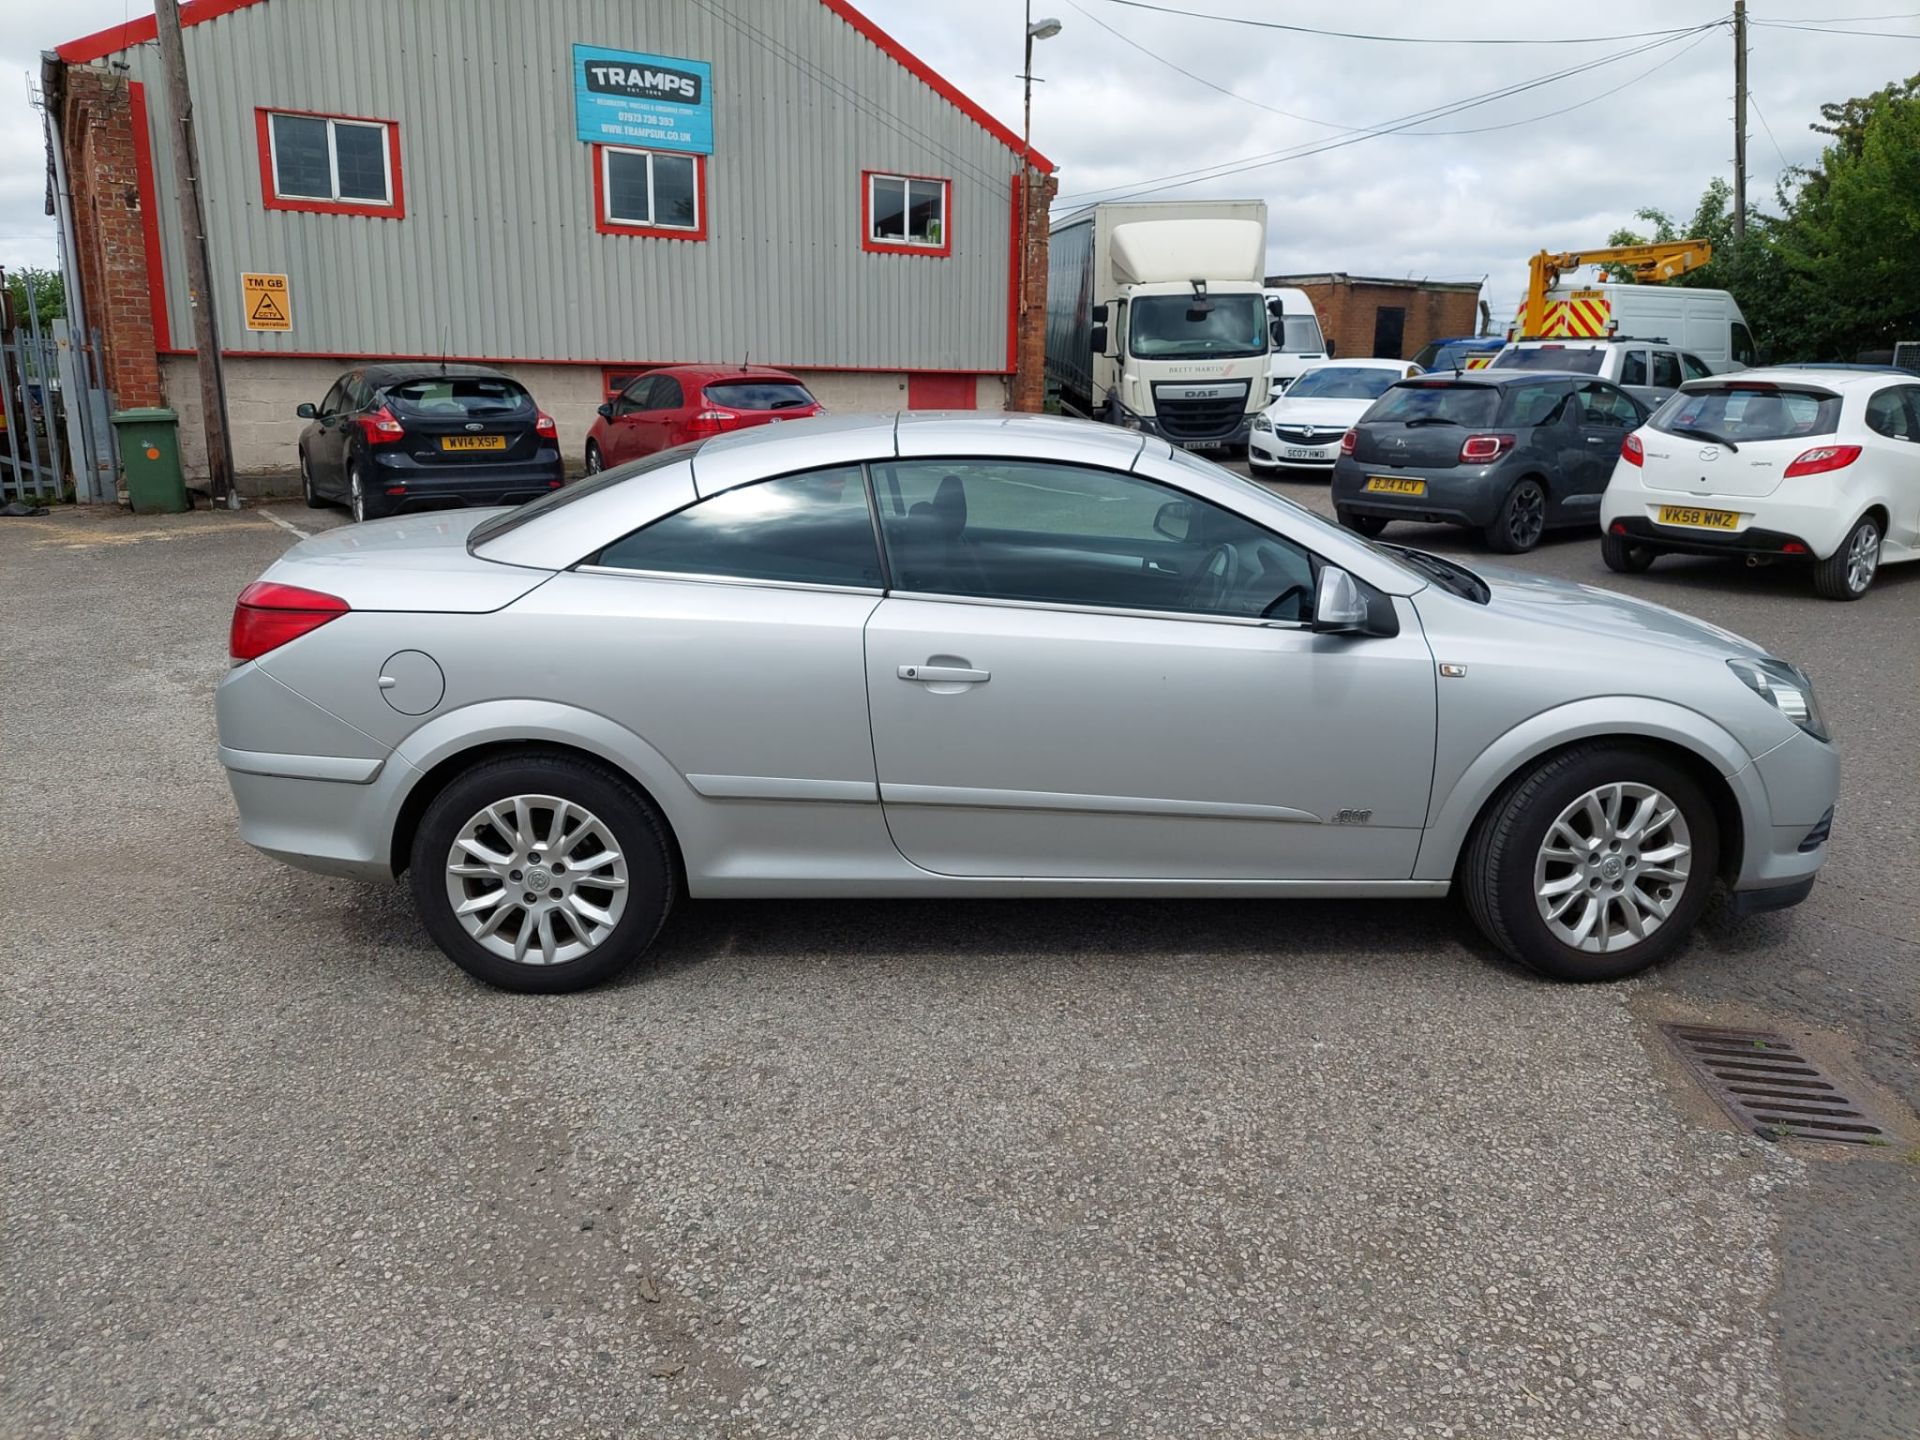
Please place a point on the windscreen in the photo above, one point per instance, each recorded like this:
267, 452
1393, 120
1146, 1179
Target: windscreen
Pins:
1469, 405
1739, 414
759, 394
457, 397
1343, 382
1221, 326
1584, 361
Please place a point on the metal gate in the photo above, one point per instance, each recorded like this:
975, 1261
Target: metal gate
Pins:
53, 413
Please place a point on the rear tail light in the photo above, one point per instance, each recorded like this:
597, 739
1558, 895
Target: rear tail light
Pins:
545, 426
1347, 441
1822, 458
712, 422
1479, 449
381, 428
1632, 451
267, 616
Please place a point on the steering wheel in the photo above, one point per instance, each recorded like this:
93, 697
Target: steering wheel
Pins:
1215, 579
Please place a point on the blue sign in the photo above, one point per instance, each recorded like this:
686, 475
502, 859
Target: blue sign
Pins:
656, 101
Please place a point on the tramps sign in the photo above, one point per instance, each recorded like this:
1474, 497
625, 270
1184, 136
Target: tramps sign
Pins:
623, 98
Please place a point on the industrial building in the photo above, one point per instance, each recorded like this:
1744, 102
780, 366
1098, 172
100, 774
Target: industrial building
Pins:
572, 191
1393, 319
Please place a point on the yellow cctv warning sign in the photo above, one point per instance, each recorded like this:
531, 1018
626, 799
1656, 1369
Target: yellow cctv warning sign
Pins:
268, 304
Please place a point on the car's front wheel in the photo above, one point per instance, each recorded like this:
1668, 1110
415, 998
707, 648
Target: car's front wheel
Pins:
1368, 525
1622, 556
542, 873
1846, 574
1593, 865
594, 462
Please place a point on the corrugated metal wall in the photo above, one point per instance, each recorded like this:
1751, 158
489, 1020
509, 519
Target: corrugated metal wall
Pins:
498, 255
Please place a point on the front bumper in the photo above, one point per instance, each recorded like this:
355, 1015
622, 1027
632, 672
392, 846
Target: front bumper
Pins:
1782, 853
1465, 495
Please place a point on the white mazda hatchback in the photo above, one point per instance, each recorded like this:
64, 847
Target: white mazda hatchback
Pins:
1814, 464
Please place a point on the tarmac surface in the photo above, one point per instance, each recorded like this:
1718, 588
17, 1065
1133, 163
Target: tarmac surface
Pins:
272, 1166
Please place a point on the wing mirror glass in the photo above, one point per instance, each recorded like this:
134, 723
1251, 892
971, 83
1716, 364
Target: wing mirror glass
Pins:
1332, 349
604, 410
1100, 314
1338, 606
306, 411
1174, 520
1099, 338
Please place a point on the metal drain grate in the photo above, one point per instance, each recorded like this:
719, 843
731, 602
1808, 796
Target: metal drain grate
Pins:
1769, 1086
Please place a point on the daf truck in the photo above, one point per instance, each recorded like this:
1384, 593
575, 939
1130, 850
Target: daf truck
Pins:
1156, 320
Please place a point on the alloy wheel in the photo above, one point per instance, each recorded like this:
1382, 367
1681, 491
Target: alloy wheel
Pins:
359, 495
1613, 867
306, 479
537, 880
593, 459
1526, 516
1863, 556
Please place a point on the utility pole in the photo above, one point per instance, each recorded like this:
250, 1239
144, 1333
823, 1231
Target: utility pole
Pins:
1739, 119
193, 235
1036, 30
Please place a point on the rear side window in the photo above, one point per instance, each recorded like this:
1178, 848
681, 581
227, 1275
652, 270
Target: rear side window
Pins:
759, 394
1550, 357
1438, 404
1749, 414
1887, 415
1633, 368
810, 529
1666, 370
458, 398
1534, 405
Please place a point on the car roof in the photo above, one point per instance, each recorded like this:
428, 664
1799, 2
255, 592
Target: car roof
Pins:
1438, 379
1823, 376
1490, 341
381, 376
721, 372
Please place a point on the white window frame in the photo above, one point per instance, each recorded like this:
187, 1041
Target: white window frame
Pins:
907, 240
606, 189
333, 158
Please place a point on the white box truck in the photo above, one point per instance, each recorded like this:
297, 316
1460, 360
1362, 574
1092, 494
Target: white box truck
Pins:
1156, 319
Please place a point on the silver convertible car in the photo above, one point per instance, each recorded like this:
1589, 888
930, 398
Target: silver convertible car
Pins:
936, 655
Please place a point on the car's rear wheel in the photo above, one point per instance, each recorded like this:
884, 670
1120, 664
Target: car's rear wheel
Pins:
360, 494
1848, 572
1594, 865
594, 462
542, 873
314, 502
1623, 556
1368, 525
1521, 521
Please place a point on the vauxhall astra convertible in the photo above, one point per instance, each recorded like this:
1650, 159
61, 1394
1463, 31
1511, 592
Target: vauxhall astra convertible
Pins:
930, 655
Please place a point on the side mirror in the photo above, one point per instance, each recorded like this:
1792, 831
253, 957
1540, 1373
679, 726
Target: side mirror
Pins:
306, 411
1276, 307
604, 410
1338, 606
1174, 520
1099, 338
1332, 349
1100, 314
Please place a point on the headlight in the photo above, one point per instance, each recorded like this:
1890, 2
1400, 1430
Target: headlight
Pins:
1786, 688
1261, 422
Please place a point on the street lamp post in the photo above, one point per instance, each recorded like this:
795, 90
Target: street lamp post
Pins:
1043, 29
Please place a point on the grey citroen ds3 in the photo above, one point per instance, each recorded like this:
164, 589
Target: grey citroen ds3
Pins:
1509, 453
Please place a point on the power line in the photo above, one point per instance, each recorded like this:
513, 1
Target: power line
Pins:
1824, 30
1179, 178
1754, 100
1577, 105
1402, 39
1837, 19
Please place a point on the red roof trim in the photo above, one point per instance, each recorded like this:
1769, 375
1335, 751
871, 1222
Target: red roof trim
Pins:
936, 82
353, 357
102, 43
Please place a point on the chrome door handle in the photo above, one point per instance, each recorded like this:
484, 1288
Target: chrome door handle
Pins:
944, 675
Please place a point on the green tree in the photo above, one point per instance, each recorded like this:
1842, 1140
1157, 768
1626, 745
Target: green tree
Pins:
48, 288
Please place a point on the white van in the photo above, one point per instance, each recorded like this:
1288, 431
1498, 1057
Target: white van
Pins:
1297, 342
1706, 323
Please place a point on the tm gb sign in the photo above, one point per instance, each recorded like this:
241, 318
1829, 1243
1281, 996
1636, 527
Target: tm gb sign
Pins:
624, 98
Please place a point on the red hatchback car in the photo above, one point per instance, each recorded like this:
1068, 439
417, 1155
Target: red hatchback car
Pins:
678, 403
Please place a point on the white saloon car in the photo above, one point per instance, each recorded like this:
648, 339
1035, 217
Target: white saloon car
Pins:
1302, 428
1814, 464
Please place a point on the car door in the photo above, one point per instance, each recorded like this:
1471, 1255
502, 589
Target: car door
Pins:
1072, 676
663, 423
620, 423
326, 445
1604, 416
1893, 418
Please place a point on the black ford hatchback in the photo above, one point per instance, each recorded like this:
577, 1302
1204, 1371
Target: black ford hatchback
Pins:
1509, 453
420, 437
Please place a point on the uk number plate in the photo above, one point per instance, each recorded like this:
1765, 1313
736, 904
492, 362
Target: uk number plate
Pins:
1699, 519
1296, 452
473, 442
1395, 485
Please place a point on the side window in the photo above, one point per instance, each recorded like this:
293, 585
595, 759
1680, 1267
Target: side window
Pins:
1666, 369
1604, 405
1694, 366
1887, 414
336, 400
808, 529
634, 397
1536, 404
1064, 534
359, 394
1633, 368
665, 394
1744, 351
1912, 392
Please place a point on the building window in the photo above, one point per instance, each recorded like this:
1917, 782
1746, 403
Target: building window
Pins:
904, 214
650, 192
332, 164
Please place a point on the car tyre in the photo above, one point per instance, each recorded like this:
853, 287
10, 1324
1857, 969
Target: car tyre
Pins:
314, 502
1623, 557
360, 499
606, 815
595, 464
1368, 525
1848, 572
1521, 520
1508, 871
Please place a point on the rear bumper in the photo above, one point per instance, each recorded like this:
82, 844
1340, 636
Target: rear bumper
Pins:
470, 482
1689, 541
1465, 496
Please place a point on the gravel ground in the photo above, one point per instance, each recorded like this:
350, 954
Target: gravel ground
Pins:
272, 1166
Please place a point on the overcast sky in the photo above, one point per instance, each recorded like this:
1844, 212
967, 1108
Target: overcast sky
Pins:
1116, 117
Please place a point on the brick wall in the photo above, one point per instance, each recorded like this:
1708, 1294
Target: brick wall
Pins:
102, 167
1349, 308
